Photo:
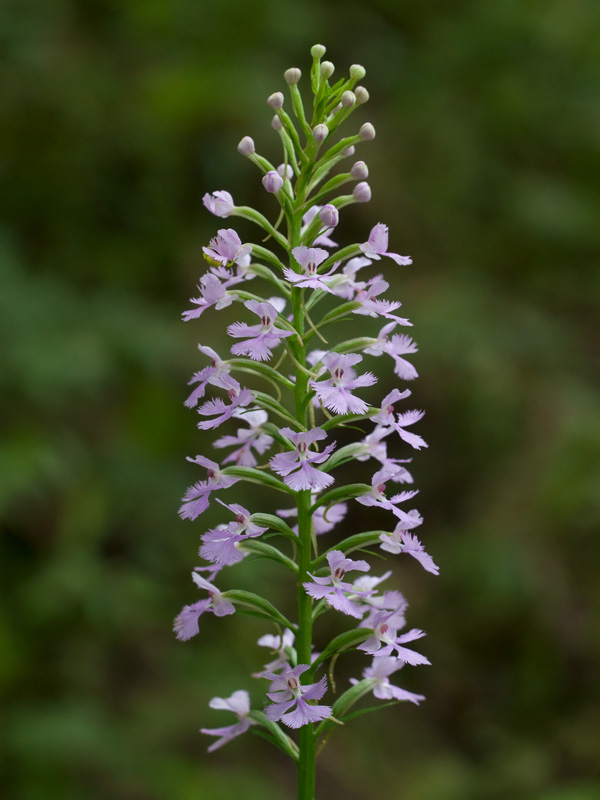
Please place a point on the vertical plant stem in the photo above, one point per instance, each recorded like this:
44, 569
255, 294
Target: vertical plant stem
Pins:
307, 745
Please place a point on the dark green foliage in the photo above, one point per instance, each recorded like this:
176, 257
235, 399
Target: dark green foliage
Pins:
115, 118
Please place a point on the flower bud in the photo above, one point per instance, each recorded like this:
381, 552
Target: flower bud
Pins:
348, 99
359, 171
362, 192
357, 72
329, 216
366, 132
349, 151
327, 69
320, 132
246, 146
286, 171
272, 181
292, 75
275, 100
276, 123
317, 51
361, 95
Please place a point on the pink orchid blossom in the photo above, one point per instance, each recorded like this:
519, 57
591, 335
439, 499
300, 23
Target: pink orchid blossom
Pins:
227, 248
186, 623
296, 465
239, 703
289, 698
221, 545
335, 392
196, 499
323, 519
333, 589
370, 306
220, 411
385, 641
387, 417
249, 439
396, 347
219, 203
309, 259
216, 374
379, 672
376, 497
377, 244
212, 293
261, 337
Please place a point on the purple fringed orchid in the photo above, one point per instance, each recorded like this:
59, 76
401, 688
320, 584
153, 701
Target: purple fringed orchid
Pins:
219, 203
216, 374
309, 259
401, 541
278, 644
385, 640
196, 499
370, 306
297, 466
335, 393
220, 410
186, 623
332, 588
248, 439
261, 337
227, 248
377, 244
387, 417
345, 284
287, 692
239, 703
376, 497
379, 671
221, 545
212, 293
396, 347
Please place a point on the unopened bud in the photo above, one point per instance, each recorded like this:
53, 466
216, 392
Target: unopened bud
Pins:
292, 75
361, 95
329, 216
359, 171
357, 72
275, 100
272, 181
246, 146
362, 192
276, 123
317, 51
327, 69
348, 99
320, 132
366, 132
286, 171
349, 151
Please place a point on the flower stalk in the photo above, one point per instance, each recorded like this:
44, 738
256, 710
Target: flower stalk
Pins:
315, 393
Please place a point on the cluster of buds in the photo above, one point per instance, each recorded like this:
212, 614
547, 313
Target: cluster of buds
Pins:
315, 391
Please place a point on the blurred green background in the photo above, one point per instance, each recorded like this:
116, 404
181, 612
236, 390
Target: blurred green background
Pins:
116, 117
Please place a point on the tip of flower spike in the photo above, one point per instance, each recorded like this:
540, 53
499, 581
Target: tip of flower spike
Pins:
317, 50
357, 72
348, 99
275, 100
320, 132
327, 69
361, 95
366, 132
272, 181
292, 75
362, 192
359, 171
246, 146
276, 123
